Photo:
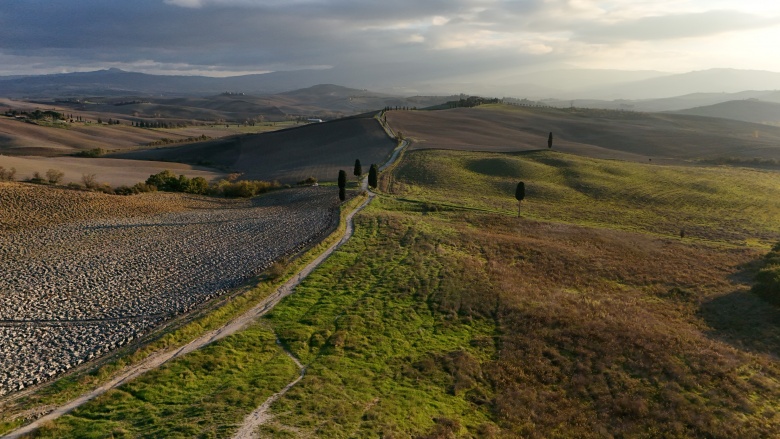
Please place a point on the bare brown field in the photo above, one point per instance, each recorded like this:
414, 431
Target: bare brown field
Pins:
594, 133
27, 206
319, 150
20, 138
83, 273
114, 172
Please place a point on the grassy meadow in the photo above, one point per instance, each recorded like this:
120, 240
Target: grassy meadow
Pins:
447, 315
721, 204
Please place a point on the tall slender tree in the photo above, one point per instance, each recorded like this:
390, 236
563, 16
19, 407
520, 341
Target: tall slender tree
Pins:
373, 172
358, 169
549, 140
342, 194
342, 179
519, 195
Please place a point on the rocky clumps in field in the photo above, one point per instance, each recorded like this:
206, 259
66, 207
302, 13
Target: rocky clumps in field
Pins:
73, 291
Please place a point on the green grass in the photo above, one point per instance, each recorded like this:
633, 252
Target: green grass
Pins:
376, 324
733, 205
204, 394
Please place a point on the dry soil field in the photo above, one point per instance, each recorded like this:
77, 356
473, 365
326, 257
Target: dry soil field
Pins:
108, 269
319, 150
114, 172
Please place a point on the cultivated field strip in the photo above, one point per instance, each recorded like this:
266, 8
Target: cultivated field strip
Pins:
71, 292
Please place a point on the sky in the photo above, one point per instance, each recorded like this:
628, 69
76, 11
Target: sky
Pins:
414, 40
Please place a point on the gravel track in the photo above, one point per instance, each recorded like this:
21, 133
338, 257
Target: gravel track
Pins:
74, 291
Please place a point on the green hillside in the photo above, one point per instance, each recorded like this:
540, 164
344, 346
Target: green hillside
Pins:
713, 203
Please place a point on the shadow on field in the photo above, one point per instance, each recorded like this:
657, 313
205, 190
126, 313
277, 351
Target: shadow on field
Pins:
745, 321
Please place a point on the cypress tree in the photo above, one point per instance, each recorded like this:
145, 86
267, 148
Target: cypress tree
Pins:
358, 169
372, 175
520, 191
549, 140
519, 195
342, 194
342, 179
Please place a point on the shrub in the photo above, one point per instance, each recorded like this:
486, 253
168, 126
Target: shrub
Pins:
277, 269
244, 188
37, 178
7, 175
137, 188
90, 153
165, 181
308, 182
767, 279
89, 181
54, 176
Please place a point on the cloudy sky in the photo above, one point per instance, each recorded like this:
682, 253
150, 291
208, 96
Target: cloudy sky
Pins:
415, 39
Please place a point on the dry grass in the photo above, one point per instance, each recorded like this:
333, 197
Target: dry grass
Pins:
602, 335
26, 206
114, 172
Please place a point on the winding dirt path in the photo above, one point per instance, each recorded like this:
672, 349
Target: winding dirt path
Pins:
240, 322
260, 416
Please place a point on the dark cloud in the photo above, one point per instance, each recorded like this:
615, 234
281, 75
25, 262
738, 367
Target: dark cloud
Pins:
417, 39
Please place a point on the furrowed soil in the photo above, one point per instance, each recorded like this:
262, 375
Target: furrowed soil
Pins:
82, 274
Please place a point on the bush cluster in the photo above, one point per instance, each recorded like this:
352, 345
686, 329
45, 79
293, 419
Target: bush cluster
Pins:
308, 182
167, 181
167, 141
768, 278
91, 153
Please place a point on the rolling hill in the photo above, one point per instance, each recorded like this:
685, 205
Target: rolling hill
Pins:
748, 110
319, 150
595, 133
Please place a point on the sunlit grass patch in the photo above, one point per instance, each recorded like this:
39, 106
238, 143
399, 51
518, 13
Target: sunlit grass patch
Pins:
732, 205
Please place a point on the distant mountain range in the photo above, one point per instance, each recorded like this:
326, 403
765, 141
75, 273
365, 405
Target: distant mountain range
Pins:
558, 84
307, 92
116, 82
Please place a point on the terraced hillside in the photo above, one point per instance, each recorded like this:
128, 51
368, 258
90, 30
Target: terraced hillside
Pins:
319, 150
80, 281
594, 133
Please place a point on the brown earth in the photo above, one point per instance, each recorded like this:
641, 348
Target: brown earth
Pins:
596, 133
27, 206
319, 150
114, 172
21, 138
